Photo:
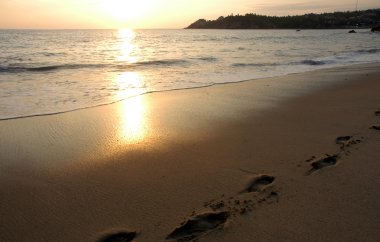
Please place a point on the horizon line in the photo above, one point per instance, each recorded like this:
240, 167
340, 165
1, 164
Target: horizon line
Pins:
177, 28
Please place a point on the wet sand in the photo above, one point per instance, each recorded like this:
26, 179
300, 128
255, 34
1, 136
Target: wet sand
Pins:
291, 158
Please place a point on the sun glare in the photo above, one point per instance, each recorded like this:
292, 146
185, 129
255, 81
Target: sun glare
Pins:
126, 10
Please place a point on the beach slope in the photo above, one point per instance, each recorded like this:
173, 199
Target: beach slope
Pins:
292, 158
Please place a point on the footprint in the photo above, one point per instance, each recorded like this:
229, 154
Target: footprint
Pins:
272, 197
342, 140
198, 225
119, 237
376, 127
330, 160
259, 183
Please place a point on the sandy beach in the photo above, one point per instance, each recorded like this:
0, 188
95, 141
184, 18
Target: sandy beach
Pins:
291, 158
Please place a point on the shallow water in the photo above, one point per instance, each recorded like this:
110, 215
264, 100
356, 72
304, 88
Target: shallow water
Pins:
50, 71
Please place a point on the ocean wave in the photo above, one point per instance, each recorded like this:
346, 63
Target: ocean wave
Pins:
207, 58
68, 66
312, 62
369, 51
18, 69
11, 69
253, 64
168, 62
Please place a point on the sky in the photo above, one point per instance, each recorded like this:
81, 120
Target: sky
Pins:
140, 14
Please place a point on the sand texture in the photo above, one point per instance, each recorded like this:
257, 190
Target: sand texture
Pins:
293, 158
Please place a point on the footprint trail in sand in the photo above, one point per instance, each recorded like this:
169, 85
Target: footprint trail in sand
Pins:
258, 191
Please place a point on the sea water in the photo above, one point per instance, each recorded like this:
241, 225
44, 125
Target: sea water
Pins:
52, 71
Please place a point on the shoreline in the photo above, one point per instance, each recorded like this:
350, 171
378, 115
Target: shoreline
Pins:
191, 88
246, 159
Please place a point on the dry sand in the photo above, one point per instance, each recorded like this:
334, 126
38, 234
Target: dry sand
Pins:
251, 161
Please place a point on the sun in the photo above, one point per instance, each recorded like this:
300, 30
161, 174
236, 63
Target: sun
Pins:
126, 10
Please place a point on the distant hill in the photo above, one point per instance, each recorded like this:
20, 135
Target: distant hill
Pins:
361, 19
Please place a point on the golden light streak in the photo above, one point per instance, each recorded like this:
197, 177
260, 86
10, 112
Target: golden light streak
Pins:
127, 46
133, 119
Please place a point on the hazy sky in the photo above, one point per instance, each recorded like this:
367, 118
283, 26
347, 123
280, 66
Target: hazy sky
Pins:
152, 13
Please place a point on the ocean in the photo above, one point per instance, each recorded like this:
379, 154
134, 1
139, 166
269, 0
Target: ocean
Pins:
53, 71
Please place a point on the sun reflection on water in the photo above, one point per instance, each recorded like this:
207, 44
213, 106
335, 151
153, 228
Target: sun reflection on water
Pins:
129, 84
127, 46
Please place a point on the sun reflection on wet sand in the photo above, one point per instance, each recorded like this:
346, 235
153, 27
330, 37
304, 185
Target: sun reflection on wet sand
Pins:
133, 119
133, 109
